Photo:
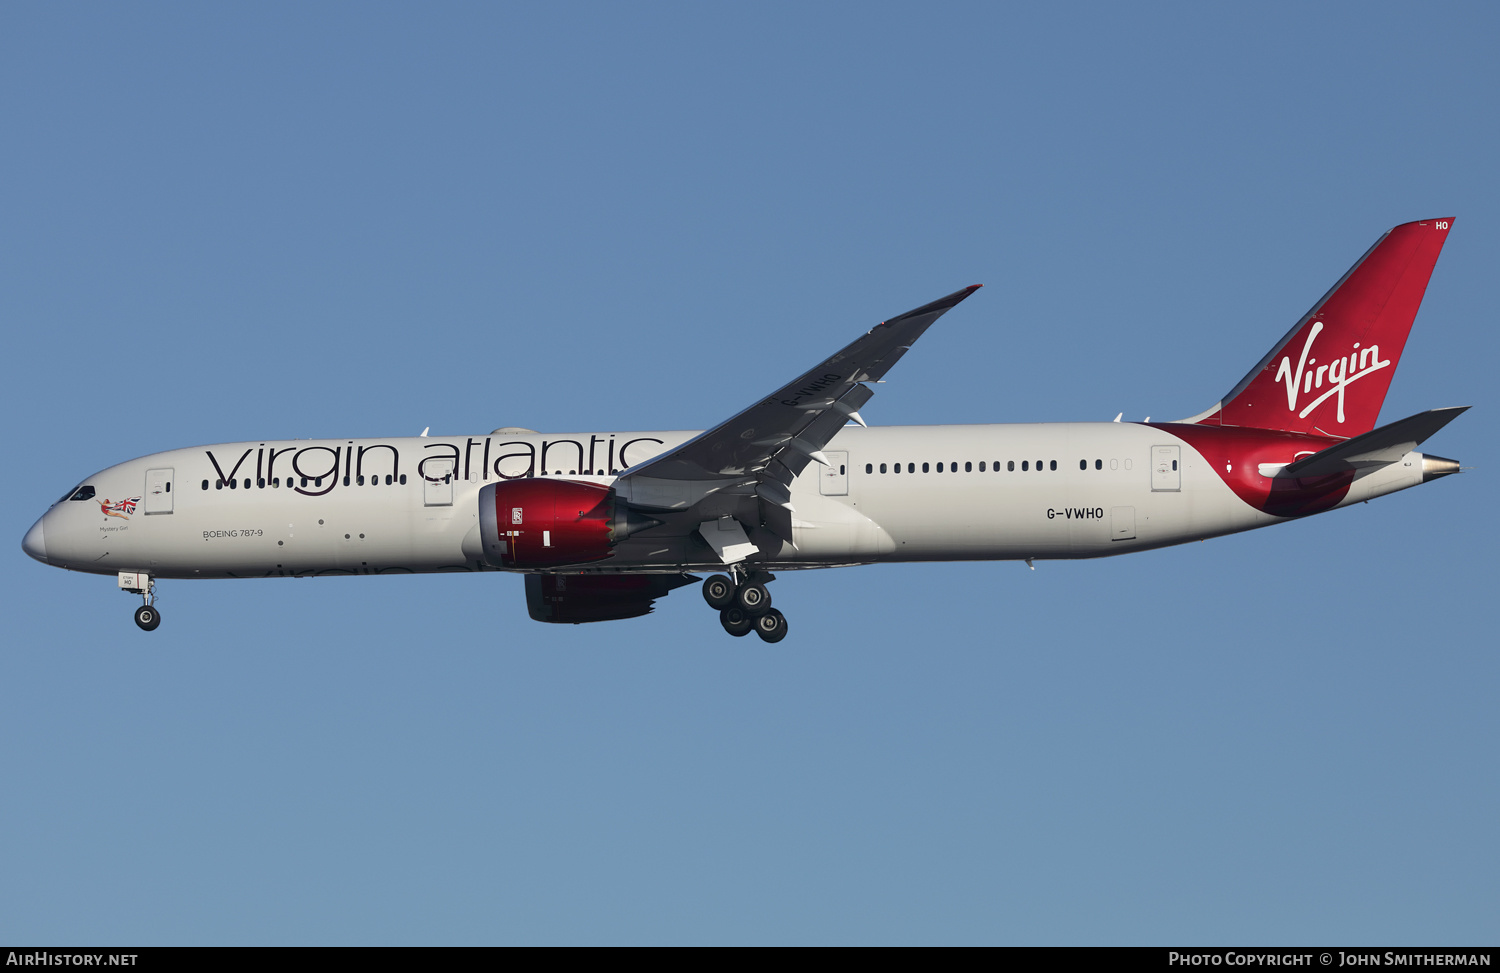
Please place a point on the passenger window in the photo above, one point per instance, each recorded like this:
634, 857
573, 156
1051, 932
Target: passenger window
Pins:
869, 468
1025, 466
911, 467
403, 479
882, 467
952, 467
388, 479
969, 467
260, 483
1083, 464
1010, 466
1174, 464
1098, 464
940, 467
981, 466
205, 484
1053, 466
924, 468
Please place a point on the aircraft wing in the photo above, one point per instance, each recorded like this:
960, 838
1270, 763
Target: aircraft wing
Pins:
760, 450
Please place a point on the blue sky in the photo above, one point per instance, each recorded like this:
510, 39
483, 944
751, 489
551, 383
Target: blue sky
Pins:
359, 220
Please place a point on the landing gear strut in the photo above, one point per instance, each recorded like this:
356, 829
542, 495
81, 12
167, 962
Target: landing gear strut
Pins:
146, 616
744, 604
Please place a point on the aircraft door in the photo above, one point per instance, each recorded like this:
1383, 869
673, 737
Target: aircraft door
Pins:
1166, 469
437, 482
158, 499
833, 480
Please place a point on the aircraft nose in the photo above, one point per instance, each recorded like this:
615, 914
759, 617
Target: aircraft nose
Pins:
35, 543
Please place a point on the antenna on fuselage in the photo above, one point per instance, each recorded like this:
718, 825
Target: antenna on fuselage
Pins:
423, 433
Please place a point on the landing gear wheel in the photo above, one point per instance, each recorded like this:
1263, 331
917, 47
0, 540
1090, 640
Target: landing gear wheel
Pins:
147, 617
718, 591
771, 626
754, 598
736, 622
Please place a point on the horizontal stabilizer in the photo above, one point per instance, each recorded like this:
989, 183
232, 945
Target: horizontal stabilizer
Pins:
1377, 447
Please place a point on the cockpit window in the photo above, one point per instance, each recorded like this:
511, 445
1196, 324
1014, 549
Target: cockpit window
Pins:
82, 493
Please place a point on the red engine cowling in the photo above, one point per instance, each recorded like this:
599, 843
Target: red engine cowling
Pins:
539, 523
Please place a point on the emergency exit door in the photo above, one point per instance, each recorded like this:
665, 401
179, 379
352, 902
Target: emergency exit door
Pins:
437, 482
833, 480
158, 498
1166, 472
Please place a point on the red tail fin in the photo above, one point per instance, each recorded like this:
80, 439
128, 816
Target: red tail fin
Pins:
1329, 375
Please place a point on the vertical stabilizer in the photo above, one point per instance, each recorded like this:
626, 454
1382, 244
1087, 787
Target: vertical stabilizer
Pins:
1329, 375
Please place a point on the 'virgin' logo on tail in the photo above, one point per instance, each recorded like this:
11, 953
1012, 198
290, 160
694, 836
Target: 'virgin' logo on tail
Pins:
1341, 373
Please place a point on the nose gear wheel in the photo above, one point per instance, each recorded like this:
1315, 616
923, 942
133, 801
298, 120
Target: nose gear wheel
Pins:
147, 617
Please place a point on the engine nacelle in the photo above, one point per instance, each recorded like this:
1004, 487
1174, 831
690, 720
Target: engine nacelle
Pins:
541, 522
575, 599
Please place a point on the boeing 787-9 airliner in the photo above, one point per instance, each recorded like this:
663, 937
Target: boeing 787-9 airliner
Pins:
602, 522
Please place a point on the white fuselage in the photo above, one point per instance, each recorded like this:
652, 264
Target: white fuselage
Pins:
1045, 490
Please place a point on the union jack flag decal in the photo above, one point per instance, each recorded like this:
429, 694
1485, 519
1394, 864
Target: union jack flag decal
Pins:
119, 508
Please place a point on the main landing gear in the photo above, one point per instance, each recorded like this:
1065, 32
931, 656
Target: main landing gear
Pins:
146, 616
744, 604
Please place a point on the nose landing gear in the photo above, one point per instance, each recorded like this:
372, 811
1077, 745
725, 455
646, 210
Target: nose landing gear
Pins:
744, 604
146, 616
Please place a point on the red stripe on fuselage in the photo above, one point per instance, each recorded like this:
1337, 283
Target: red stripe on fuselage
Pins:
1236, 453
